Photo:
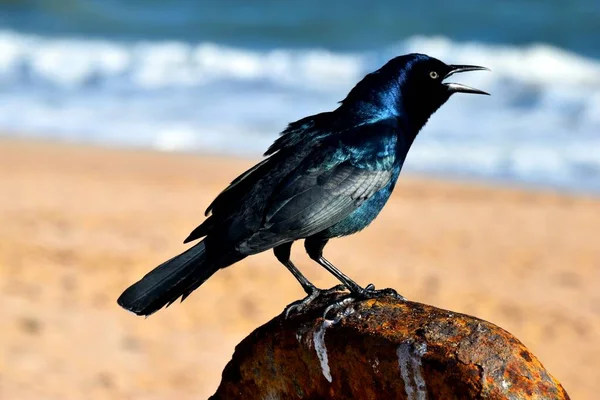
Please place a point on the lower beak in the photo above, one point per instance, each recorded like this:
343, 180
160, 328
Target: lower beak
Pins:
459, 88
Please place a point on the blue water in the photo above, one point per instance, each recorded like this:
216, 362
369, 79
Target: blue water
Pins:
227, 76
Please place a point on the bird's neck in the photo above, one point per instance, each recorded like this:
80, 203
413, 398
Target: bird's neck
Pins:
407, 134
389, 103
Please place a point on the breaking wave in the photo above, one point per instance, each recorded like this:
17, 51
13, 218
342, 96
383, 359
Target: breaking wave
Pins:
542, 123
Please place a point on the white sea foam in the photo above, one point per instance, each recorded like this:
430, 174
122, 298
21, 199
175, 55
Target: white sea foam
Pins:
541, 124
73, 62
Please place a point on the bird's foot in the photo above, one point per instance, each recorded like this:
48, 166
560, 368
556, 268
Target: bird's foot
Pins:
342, 306
301, 305
338, 306
335, 289
369, 292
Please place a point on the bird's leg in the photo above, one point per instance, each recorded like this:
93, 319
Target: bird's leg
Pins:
311, 290
356, 290
283, 255
314, 247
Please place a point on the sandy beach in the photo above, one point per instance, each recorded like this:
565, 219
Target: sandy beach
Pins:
79, 224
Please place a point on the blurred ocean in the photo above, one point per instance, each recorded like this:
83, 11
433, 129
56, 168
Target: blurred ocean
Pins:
227, 76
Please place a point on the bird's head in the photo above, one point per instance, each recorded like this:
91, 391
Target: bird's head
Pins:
411, 87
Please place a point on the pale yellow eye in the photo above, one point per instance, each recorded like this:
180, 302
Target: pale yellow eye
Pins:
433, 75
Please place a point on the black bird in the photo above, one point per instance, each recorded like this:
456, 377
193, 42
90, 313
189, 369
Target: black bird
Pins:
326, 176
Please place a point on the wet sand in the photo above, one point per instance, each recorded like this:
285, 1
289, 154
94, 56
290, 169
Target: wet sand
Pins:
79, 224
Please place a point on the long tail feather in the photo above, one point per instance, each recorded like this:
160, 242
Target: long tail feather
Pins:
177, 277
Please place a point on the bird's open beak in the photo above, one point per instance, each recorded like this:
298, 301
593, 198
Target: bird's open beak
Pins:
457, 87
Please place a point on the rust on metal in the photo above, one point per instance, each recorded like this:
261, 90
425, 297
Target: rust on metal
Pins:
384, 348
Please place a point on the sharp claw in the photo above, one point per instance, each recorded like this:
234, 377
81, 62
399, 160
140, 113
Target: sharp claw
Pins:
392, 293
369, 292
397, 295
302, 304
289, 309
337, 305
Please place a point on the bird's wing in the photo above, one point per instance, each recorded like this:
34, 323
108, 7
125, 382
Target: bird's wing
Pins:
253, 186
320, 199
304, 130
237, 185
228, 197
325, 190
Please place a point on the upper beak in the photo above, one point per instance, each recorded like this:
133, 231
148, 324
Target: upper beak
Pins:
457, 87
